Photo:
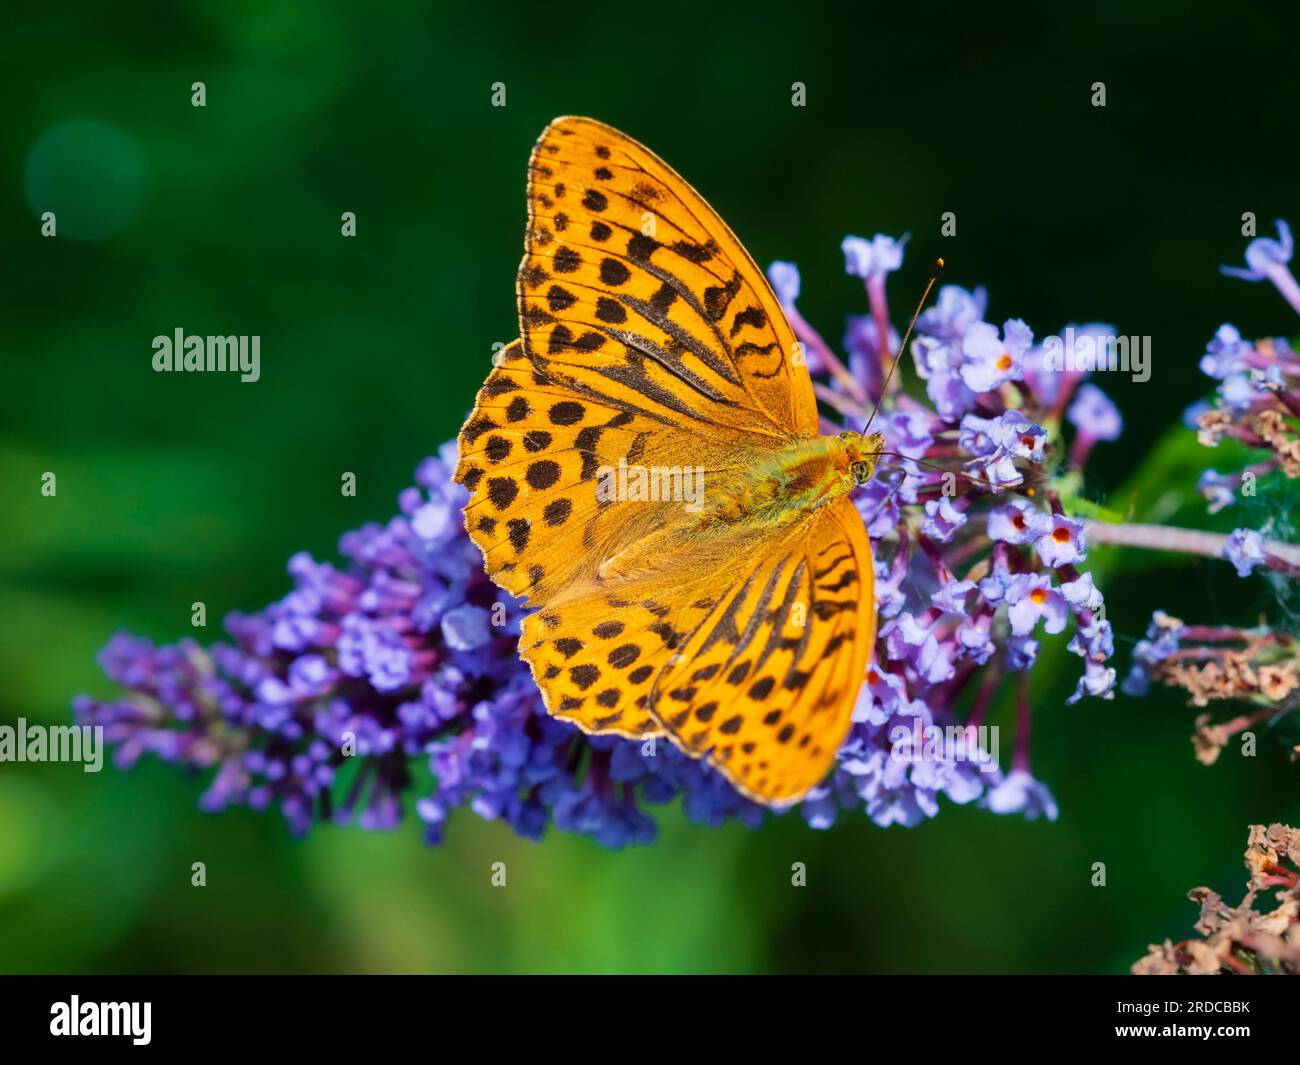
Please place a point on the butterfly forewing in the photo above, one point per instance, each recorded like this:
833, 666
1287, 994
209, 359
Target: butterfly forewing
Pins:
530, 455
632, 287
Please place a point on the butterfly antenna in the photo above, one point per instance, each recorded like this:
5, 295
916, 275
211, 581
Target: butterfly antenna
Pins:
959, 474
934, 276
1029, 489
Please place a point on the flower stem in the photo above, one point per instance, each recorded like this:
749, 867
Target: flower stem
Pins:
1185, 541
1286, 284
813, 341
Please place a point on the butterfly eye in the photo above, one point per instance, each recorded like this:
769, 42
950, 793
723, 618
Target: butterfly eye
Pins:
861, 472
848, 434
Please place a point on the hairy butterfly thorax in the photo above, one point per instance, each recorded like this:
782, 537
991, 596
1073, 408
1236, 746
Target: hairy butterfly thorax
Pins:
793, 482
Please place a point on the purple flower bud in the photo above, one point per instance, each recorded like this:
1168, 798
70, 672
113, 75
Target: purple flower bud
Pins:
1163, 638
992, 360
951, 598
993, 588
784, 278
872, 258
976, 435
910, 433
1017, 435
1264, 256
1245, 550
954, 312
1097, 681
942, 519
1226, 353
1081, 593
274, 691
975, 639
1017, 522
1063, 542
294, 632
1022, 652
1019, 792
1094, 415
866, 353
1031, 598
938, 363
466, 628
907, 640
997, 472
310, 675
434, 521
1192, 413
1094, 642
889, 585
1217, 490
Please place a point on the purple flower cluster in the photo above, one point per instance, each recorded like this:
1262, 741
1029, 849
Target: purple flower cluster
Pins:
1257, 402
1214, 663
327, 701
976, 555
392, 684
1163, 640
1257, 398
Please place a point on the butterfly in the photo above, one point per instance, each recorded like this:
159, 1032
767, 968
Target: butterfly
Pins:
646, 471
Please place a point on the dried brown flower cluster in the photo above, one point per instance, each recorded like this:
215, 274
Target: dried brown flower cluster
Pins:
1266, 429
1242, 939
1247, 670
1258, 402
1213, 663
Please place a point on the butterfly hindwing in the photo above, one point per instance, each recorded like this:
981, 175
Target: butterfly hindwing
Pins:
596, 652
764, 686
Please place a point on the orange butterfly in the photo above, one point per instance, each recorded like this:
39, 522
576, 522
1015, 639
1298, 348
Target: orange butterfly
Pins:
645, 468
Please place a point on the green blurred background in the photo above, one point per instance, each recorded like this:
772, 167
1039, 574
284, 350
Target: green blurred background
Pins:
171, 489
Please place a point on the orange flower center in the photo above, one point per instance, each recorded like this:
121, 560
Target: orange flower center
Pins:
1004, 362
1061, 534
1039, 596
